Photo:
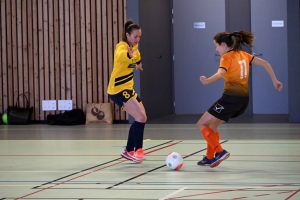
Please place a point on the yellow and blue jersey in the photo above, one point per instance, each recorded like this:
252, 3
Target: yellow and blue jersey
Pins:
122, 75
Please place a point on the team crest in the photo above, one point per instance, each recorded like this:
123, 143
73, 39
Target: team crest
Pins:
218, 108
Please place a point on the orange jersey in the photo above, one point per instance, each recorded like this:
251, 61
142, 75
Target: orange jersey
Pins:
237, 66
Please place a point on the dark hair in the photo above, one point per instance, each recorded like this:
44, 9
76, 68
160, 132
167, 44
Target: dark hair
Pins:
236, 39
128, 28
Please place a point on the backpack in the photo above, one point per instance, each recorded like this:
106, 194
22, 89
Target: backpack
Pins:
73, 117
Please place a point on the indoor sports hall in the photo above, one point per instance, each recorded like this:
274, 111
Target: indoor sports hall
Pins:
83, 162
63, 129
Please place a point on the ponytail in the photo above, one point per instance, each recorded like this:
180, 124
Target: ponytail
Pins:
128, 28
236, 39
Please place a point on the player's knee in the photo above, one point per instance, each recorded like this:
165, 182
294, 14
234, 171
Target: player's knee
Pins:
141, 118
200, 125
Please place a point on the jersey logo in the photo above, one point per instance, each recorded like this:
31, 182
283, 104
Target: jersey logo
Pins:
218, 108
131, 65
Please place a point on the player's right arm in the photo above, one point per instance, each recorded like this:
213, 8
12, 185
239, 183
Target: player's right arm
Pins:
123, 53
266, 65
217, 76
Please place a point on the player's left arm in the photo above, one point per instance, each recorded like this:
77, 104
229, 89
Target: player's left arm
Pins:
266, 65
139, 63
217, 76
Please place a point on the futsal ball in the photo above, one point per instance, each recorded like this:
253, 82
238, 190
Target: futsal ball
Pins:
174, 161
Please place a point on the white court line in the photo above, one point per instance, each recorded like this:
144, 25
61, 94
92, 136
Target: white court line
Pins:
180, 190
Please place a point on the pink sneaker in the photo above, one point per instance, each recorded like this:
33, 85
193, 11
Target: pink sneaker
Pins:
130, 156
139, 154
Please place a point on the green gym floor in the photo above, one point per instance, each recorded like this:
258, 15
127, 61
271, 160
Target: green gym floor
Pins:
83, 162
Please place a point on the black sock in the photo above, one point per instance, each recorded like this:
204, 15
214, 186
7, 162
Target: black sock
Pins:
130, 140
138, 134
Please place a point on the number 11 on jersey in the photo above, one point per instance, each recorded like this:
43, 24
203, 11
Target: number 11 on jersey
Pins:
243, 69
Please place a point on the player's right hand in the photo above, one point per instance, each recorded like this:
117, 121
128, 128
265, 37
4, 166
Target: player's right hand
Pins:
203, 80
130, 52
278, 85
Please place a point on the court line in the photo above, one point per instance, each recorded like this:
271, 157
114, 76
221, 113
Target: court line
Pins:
109, 155
261, 184
40, 190
96, 166
67, 180
147, 171
252, 189
292, 194
157, 167
206, 193
172, 128
173, 193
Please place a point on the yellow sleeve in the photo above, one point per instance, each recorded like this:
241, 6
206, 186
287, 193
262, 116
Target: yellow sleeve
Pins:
136, 56
121, 54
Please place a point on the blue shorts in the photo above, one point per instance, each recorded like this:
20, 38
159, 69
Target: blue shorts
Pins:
123, 96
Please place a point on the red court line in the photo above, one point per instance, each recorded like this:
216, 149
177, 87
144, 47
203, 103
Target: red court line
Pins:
66, 155
89, 173
163, 147
284, 192
238, 190
278, 185
292, 194
118, 154
212, 193
68, 180
258, 195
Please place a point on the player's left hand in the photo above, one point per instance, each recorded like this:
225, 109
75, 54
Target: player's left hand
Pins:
139, 66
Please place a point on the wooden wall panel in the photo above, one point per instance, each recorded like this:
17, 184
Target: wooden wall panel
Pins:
67, 50
15, 86
3, 71
99, 51
31, 56
35, 90
73, 53
78, 67
58, 50
24, 49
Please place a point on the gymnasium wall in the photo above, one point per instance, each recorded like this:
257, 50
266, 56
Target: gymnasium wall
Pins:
293, 12
58, 50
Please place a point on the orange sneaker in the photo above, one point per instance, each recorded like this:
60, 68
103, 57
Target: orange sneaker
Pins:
139, 154
129, 156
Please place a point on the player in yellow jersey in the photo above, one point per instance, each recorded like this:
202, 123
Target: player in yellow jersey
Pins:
120, 89
234, 69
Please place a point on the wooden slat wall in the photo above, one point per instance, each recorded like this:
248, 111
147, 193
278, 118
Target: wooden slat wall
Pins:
58, 50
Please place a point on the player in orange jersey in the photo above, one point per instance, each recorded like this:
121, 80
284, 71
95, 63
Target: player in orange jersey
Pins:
234, 69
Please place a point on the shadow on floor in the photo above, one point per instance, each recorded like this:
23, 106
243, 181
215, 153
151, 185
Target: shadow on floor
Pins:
192, 119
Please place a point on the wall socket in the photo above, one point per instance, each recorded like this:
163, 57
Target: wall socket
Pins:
65, 105
48, 105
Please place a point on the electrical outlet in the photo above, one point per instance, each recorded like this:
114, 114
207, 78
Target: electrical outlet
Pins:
48, 105
64, 104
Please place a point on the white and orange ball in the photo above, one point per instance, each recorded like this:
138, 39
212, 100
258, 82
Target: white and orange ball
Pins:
174, 161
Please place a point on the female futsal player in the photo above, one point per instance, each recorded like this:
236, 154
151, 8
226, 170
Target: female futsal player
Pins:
120, 89
234, 68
